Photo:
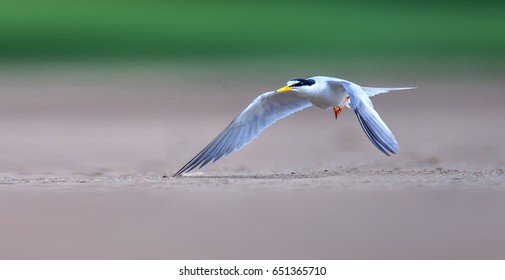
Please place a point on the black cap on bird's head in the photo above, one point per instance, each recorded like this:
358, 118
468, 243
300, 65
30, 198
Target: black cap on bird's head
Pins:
296, 83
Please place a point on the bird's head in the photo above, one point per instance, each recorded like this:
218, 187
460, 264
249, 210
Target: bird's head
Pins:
299, 85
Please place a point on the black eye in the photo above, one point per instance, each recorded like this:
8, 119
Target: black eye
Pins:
308, 82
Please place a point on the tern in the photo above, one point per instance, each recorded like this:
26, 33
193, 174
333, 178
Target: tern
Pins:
298, 94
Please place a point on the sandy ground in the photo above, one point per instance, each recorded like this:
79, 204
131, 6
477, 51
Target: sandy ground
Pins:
82, 165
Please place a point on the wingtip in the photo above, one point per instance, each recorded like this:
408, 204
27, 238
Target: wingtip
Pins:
395, 150
178, 173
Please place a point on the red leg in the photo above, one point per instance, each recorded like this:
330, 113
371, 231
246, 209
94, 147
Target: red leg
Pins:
339, 110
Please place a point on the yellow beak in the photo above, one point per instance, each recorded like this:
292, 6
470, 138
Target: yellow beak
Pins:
283, 89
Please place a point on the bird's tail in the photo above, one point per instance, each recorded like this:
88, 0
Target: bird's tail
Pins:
372, 91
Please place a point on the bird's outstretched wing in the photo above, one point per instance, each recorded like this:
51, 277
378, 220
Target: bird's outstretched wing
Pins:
265, 110
374, 127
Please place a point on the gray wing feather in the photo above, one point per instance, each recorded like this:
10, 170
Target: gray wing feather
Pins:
265, 110
375, 128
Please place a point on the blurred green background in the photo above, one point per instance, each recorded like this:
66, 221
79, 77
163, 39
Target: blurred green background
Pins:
424, 32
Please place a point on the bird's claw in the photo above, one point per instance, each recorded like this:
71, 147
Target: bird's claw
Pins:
337, 111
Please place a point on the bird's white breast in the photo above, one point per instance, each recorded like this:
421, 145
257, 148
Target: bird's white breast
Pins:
327, 96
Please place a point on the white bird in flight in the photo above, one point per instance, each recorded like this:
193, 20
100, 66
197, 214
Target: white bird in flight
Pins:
298, 94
